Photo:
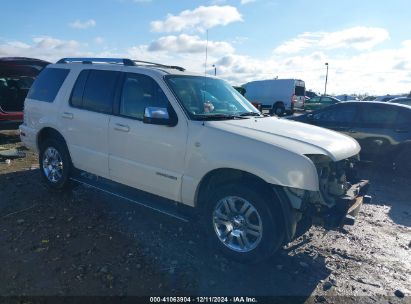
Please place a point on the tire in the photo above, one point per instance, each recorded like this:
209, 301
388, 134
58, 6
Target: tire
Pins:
402, 163
278, 109
55, 164
248, 231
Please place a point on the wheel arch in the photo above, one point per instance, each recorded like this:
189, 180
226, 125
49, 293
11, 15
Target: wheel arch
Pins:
49, 132
288, 218
278, 102
227, 175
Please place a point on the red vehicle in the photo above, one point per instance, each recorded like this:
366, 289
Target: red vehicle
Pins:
16, 77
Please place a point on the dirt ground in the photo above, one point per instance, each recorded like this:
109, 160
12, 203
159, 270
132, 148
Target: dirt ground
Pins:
89, 243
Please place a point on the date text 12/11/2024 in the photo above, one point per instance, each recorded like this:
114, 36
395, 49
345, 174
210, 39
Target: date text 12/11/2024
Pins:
181, 299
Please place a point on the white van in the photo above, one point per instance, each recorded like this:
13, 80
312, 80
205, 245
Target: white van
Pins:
279, 96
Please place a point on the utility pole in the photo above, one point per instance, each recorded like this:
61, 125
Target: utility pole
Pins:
326, 79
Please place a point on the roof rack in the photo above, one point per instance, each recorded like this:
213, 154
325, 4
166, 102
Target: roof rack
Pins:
123, 61
161, 65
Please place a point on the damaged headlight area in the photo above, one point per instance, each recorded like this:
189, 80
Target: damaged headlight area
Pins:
335, 178
339, 198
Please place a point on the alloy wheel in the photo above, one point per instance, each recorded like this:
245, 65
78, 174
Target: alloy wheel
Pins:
52, 165
237, 224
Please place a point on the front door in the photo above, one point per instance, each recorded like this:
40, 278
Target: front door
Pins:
340, 117
146, 156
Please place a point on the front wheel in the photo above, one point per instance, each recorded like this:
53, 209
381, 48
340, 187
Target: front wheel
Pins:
55, 164
241, 224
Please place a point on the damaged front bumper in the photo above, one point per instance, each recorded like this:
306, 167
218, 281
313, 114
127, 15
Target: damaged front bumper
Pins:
346, 207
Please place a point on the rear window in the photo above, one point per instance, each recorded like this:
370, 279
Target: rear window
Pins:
47, 84
94, 90
299, 91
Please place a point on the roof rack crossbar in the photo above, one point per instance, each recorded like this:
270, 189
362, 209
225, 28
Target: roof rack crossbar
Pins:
123, 61
161, 65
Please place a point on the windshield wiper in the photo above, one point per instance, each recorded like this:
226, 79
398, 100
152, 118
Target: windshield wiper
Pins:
217, 116
250, 114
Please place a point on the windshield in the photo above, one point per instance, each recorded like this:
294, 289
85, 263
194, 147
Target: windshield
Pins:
208, 98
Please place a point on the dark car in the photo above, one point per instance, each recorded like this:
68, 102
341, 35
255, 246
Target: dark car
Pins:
16, 77
383, 130
319, 102
310, 94
401, 100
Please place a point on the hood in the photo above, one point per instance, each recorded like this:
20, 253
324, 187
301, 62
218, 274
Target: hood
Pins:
293, 136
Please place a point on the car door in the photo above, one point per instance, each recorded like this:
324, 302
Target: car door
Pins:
312, 103
377, 133
141, 155
340, 117
85, 119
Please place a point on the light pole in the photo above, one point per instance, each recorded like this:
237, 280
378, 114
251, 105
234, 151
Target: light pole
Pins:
326, 79
215, 70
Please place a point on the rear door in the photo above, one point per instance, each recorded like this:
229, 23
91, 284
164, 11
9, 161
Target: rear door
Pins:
85, 119
299, 92
378, 133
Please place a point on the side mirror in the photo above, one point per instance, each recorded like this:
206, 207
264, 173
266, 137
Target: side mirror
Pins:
159, 116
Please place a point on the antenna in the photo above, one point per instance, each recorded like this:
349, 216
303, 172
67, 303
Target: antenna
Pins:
206, 53
205, 69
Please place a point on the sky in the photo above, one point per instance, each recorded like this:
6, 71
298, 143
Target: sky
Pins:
367, 44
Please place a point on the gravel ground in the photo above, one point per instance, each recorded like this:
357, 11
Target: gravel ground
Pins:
89, 243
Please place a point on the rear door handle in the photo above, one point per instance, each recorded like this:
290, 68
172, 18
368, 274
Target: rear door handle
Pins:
67, 115
121, 127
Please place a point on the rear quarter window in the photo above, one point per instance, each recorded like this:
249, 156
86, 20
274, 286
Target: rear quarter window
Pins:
47, 84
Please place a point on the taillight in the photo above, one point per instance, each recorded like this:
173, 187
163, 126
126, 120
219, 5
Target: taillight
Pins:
293, 98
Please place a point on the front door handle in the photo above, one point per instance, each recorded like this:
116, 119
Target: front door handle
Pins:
67, 115
121, 127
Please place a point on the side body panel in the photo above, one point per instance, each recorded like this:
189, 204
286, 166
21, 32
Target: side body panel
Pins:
147, 156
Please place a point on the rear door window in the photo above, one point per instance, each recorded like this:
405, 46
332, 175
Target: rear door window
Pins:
47, 84
94, 90
377, 115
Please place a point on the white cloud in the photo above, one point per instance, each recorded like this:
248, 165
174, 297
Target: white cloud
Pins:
47, 48
189, 44
99, 40
200, 19
380, 71
242, 2
359, 38
83, 24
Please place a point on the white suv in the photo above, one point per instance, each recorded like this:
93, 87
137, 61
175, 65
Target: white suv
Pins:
179, 142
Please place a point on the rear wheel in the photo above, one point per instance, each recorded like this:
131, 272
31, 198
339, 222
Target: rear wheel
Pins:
55, 163
240, 223
278, 109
